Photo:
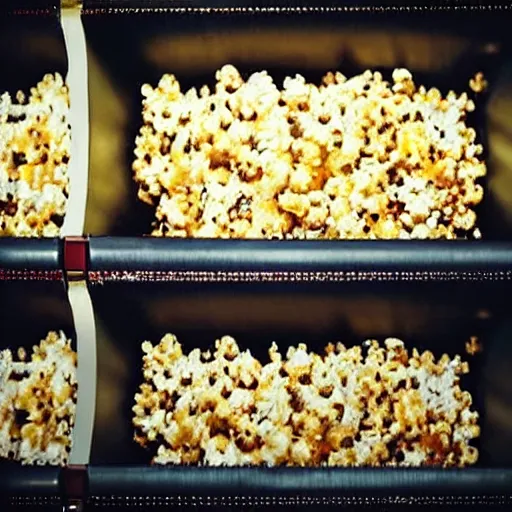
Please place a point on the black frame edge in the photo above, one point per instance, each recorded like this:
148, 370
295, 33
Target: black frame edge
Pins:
156, 4
29, 7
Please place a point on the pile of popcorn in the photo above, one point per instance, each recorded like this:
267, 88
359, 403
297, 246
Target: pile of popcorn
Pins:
371, 405
354, 158
37, 402
35, 143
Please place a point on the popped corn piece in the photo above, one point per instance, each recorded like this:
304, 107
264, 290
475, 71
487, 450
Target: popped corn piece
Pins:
473, 346
371, 405
35, 145
38, 402
478, 83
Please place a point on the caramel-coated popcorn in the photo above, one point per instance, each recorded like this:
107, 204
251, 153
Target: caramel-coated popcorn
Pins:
473, 346
346, 408
37, 402
35, 143
353, 158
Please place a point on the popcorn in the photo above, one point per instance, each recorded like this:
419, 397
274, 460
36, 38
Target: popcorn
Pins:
371, 405
37, 402
478, 83
242, 162
473, 346
35, 144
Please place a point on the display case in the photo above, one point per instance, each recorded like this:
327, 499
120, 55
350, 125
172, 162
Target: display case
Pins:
205, 179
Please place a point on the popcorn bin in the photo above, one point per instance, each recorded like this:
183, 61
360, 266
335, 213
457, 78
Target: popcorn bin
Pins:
343, 122
292, 291
43, 121
247, 387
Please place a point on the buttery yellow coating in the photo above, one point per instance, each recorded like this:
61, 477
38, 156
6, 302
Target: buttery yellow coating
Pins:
35, 145
38, 401
343, 408
352, 158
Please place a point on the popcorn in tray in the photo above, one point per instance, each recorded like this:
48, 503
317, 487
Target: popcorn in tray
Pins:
353, 158
341, 409
37, 402
35, 143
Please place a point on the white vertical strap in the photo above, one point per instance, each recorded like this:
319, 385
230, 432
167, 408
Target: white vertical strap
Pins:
78, 293
85, 329
77, 82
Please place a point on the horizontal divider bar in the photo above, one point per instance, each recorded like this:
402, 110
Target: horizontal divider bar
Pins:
160, 254
99, 254
166, 481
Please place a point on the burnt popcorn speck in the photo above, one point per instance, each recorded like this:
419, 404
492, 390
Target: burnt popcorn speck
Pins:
35, 144
328, 161
344, 408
